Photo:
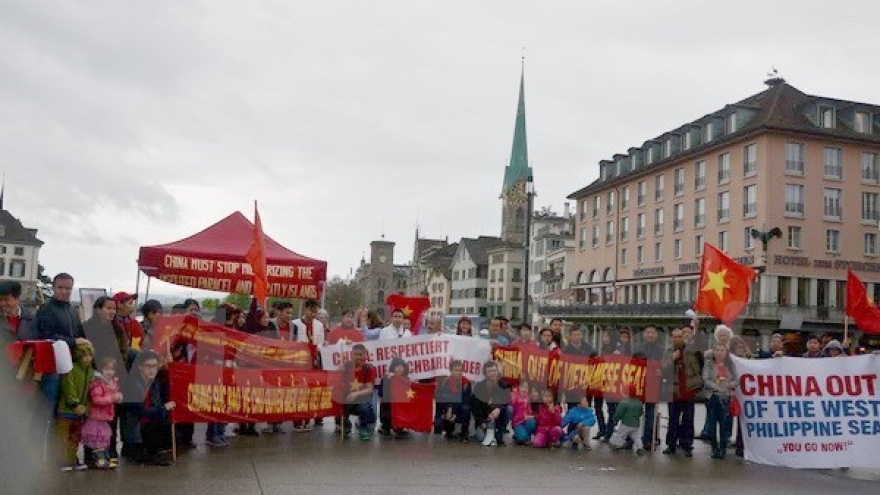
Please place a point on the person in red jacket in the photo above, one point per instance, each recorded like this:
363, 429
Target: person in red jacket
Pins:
96, 433
549, 431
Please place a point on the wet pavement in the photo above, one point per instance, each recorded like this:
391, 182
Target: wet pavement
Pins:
319, 462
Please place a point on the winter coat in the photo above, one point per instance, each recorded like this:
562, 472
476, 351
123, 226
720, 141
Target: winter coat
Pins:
487, 397
713, 385
686, 373
75, 385
522, 407
102, 393
629, 412
57, 320
579, 416
548, 417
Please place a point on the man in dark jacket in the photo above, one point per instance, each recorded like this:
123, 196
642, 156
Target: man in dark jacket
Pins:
653, 351
489, 406
58, 320
147, 409
683, 364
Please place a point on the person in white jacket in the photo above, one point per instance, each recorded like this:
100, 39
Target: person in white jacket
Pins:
308, 328
396, 329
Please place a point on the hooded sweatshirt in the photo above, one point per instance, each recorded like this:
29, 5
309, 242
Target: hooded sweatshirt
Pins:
75, 385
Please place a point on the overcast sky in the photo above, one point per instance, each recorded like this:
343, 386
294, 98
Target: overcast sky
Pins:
125, 124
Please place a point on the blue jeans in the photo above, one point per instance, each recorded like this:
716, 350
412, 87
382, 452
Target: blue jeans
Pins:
719, 419
365, 413
523, 432
648, 433
50, 385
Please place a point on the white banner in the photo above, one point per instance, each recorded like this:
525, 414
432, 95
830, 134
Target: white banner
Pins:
811, 413
427, 355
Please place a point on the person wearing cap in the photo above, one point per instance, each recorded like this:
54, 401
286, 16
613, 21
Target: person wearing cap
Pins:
834, 349
125, 308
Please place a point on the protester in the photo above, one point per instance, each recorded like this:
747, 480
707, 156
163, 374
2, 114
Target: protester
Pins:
346, 330
371, 324
653, 350
464, 327
16, 322
73, 405
522, 414
284, 321
307, 328
99, 433
606, 348
125, 309
834, 349
398, 369
722, 335
624, 345
549, 418
577, 423
814, 347
526, 337
148, 408
489, 406
683, 364
434, 325
496, 337
396, 329
629, 413
556, 328
453, 397
192, 307
152, 310
720, 380
545, 340
358, 377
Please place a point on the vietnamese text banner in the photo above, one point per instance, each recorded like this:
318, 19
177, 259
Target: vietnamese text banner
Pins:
811, 413
428, 356
248, 395
213, 342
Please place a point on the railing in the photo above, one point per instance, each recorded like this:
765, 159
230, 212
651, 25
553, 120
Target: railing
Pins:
551, 275
759, 311
796, 208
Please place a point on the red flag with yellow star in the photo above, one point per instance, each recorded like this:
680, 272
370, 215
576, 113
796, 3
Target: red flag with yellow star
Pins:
724, 285
862, 310
412, 405
412, 308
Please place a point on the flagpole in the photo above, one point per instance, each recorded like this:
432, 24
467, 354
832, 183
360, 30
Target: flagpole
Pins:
342, 417
173, 424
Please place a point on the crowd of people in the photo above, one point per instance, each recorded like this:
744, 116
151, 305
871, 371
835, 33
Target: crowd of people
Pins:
117, 390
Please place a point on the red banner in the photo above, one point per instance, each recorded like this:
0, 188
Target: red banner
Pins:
215, 342
412, 405
612, 377
248, 395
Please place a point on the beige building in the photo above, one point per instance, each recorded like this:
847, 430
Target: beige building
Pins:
782, 181
19, 254
438, 276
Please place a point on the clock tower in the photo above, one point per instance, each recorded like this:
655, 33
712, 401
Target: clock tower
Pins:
381, 277
516, 175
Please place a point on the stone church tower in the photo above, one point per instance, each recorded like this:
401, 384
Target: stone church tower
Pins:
516, 175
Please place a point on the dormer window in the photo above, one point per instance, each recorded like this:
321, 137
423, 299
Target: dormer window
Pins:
687, 140
731, 123
863, 122
826, 116
667, 148
710, 132
651, 156
2, 231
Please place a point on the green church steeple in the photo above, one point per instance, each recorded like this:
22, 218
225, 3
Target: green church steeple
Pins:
518, 169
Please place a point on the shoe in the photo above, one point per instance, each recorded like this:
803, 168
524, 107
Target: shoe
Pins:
215, 442
102, 463
364, 434
490, 438
598, 436
66, 468
688, 453
79, 467
640, 452
465, 438
386, 433
401, 434
716, 454
740, 453
669, 451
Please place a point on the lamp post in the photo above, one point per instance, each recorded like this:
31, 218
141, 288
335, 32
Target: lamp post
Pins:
530, 196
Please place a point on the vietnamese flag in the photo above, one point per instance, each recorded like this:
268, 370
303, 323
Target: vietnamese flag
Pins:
862, 310
724, 285
256, 256
412, 308
412, 405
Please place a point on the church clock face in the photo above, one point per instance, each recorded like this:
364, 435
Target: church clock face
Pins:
382, 258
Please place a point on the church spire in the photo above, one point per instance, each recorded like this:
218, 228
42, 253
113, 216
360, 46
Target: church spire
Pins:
519, 168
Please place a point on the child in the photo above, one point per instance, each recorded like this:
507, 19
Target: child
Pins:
73, 404
104, 394
629, 413
398, 367
453, 396
578, 420
358, 378
549, 430
523, 415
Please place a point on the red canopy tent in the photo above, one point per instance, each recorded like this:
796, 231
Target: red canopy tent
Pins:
214, 259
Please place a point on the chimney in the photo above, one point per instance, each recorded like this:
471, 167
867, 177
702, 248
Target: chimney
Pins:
566, 210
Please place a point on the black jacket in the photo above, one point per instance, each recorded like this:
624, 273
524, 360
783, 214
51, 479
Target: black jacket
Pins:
487, 397
57, 320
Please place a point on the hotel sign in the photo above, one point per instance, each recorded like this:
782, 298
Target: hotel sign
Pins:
695, 267
804, 261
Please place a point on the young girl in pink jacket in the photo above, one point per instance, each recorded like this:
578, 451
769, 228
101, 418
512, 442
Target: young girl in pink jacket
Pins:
522, 417
549, 431
104, 393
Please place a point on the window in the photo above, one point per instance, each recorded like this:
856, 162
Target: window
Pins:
794, 238
748, 240
658, 251
16, 268
832, 241
583, 210
640, 255
676, 248
623, 256
492, 293
678, 181
794, 158
659, 187
18, 251
869, 167
731, 123
833, 163
724, 168
517, 273
2, 266
640, 200
501, 293
609, 232
609, 207
794, 200
595, 235
869, 208
491, 275
698, 245
624, 228
700, 212
723, 206
597, 206
863, 122
583, 240
750, 201
688, 140
750, 160
871, 244
658, 221
709, 134
700, 175
826, 116
640, 226
624, 199
2, 248
723, 240
678, 217
833, 204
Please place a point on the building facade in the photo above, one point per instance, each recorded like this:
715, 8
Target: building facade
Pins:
506, 281
439, 279
380, 277
782, 181
416, 282
470, 276
552, 272
19, 253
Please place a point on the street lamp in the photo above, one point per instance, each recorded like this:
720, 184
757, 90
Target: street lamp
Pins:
530, 197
